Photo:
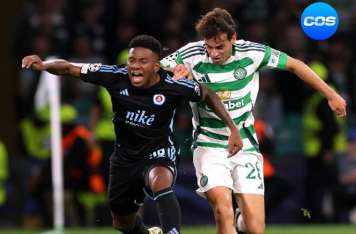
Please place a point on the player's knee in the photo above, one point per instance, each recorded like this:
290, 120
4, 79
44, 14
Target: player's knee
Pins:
223, 211
160, 178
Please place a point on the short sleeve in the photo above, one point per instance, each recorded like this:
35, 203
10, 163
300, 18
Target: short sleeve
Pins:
273, 59
103, 75
189, 90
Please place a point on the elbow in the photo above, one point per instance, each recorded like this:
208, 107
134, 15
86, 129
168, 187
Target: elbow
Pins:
208, 96
72, 70
69, 70
65, 67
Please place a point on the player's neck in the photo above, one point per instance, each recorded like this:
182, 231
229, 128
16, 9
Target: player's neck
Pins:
154, 79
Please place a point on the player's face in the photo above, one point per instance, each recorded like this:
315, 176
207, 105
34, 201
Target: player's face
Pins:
143, 66
220, 47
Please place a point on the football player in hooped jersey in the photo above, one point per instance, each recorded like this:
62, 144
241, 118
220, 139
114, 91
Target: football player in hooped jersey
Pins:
144, 99
230, 67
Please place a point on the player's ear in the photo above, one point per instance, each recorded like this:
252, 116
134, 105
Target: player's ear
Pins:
157, 67
234, 37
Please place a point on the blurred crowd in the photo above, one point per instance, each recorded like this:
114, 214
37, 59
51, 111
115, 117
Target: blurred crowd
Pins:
310, 156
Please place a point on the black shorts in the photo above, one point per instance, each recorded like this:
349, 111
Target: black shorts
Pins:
127, 187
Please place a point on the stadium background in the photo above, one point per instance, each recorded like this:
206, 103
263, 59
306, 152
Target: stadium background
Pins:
99, 30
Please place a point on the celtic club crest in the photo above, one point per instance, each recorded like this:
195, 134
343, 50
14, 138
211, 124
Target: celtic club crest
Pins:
240, 73
203, 181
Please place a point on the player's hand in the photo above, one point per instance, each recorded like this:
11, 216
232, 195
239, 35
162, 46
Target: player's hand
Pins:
33, 62
181, 71
235, 143
338, 105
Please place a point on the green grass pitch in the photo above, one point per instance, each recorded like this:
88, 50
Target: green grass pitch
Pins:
271, 229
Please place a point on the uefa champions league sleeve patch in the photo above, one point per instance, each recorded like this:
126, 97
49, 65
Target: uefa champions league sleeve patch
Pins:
274, 58
94, 67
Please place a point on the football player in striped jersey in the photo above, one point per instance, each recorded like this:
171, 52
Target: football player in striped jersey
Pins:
230, 68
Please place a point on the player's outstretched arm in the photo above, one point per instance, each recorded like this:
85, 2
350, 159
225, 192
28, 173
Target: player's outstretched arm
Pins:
56, 67
213, 101
336, 102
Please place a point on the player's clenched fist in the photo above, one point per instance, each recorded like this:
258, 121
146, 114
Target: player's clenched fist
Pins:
180, 71
33, 62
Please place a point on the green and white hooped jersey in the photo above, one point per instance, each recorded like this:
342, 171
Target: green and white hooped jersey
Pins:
235, 82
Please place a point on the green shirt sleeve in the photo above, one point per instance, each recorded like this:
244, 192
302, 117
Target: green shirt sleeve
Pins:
273, 59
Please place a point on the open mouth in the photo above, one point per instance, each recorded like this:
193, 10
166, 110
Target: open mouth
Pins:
137, 76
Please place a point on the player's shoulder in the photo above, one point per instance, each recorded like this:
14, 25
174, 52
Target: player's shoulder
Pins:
192, 50
192, 45
181, 83
244, 46
116, 69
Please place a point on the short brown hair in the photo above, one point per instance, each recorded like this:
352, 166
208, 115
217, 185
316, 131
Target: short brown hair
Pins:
215, 22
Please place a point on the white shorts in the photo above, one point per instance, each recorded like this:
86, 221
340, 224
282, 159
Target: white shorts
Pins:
242, 173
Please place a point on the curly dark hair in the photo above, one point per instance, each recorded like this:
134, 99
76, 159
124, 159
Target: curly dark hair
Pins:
148, 42
215, 22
